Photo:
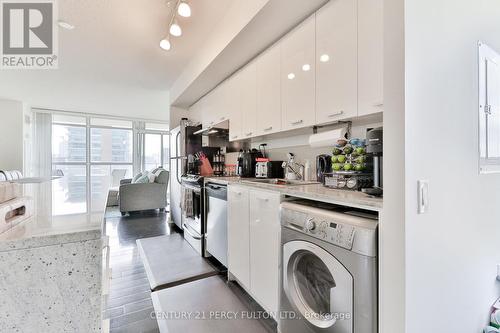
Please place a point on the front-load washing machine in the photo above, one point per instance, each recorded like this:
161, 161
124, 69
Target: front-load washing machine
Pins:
328, 270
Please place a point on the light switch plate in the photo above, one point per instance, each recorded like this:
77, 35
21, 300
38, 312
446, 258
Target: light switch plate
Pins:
423, 196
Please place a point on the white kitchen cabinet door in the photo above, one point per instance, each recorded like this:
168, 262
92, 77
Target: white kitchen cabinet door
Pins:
269, 91
238, 234
298, 76
370, 57
220, 112
265, 247
336, 61
247, 78
208, 110
234, 108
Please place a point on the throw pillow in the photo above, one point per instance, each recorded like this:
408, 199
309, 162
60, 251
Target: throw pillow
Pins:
144, 179
157, 171
134, 180
151, 176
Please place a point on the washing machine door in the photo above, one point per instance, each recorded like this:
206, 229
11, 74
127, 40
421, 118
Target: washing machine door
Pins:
318, 286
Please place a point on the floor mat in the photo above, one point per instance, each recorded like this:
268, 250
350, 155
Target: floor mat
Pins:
170, 260
204, 306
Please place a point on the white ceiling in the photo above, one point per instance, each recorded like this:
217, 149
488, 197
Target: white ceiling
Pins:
114, 54
117, 41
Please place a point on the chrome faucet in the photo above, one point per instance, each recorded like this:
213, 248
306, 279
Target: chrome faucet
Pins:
294, 167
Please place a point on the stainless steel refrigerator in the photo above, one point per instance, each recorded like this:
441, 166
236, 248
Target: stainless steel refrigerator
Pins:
182, 144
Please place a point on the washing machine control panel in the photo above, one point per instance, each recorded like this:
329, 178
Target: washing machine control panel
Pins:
328, 229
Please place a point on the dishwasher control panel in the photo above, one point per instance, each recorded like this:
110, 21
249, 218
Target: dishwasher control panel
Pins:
355, 233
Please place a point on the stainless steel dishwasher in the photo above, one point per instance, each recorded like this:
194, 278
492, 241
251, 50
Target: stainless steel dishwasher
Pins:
216, 228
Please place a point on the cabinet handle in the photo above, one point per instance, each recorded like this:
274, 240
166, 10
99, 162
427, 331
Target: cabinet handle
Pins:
234, 137
378, 104
268, 128
248, 134
263, 199
336, 114
211, 123
297, 122
222, 118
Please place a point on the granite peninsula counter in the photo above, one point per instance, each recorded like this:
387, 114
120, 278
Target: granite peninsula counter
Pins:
51, 269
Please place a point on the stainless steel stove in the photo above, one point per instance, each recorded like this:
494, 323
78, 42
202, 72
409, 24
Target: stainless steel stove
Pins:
193, 217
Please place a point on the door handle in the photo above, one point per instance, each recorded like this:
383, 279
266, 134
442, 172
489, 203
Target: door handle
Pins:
186, 229
336, 114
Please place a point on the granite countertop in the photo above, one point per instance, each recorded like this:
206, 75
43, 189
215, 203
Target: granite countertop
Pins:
316, 192
45, 228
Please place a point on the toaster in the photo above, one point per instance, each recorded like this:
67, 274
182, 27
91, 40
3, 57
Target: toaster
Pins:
269, 169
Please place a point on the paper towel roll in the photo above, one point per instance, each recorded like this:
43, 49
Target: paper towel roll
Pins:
327, 139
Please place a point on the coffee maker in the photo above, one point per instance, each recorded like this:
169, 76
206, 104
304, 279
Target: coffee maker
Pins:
374, 147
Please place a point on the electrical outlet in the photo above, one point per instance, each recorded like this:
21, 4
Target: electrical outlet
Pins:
423, 196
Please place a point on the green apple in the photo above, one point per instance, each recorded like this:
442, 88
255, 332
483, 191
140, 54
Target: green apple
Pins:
336, 151
360, 150
361, 159
335, 159
348, 167
348, 150
359, 167
337, 166
341, 158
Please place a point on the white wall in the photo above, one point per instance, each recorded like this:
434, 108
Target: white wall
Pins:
11, 135
49, 89
452, 251
392, 222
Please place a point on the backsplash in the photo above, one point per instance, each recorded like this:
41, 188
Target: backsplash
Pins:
277, 149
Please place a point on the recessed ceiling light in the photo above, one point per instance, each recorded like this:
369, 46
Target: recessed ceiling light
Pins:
291, 76
65, 25
165, 44
306, 67
324, 58
175, 29
184, 9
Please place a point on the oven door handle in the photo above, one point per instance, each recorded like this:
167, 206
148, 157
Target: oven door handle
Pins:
186, 229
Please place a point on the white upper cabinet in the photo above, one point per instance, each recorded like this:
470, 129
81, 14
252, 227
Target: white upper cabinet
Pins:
221, 104
208, 109
336, 61
268, 91
233, 108
370, 56
298, 76
247, 83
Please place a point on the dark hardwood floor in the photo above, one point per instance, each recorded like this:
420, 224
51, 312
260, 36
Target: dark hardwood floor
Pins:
128, 305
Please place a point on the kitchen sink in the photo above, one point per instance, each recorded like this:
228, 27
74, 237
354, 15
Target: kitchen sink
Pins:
279, 181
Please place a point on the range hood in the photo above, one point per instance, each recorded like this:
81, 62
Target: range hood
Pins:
218, 136
220, 129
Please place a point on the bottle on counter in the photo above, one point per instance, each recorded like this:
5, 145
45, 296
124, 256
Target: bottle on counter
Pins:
307, 171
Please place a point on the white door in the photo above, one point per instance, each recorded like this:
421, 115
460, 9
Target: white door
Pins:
269, 91
265, 248
248, 100
336, 61
238, 234
370, 56
234, 108
318, 286
298, 76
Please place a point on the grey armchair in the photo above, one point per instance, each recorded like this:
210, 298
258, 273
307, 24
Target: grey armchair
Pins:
134, 197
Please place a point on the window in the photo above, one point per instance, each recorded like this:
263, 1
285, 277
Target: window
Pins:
152, 151
93, 154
